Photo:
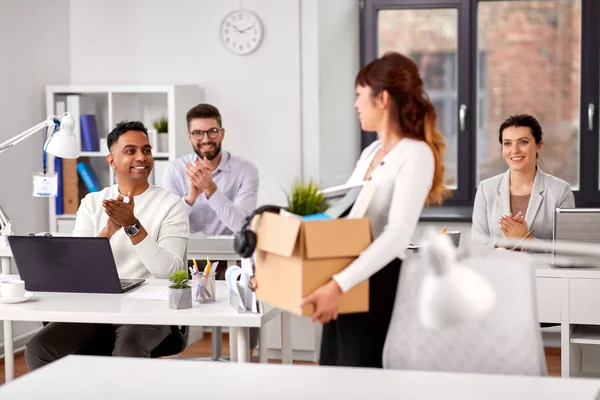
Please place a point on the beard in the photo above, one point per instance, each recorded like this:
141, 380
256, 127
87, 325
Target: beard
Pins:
211, 154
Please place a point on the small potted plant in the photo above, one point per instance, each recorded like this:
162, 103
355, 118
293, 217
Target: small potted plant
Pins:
305, 199
180, 291
162, 129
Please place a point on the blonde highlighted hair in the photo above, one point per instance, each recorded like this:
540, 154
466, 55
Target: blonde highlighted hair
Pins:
399, 76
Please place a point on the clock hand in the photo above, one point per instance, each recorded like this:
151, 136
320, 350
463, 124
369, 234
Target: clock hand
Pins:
245, 29
237, 29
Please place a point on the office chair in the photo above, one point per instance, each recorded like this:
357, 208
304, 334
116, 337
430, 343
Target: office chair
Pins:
506, 340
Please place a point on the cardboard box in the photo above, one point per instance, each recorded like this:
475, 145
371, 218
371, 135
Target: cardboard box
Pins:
294, 257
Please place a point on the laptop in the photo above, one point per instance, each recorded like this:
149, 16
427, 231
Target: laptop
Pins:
68, 264
573, 227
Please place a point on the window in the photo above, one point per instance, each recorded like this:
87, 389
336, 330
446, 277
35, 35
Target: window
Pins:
533, 53
433, 46
484, 60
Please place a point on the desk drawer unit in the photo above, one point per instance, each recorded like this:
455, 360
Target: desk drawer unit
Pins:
548, 299
584, 307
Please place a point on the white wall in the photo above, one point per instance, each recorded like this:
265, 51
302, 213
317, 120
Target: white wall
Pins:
259, 95
288, 107
339, 62
34, 49
330, 53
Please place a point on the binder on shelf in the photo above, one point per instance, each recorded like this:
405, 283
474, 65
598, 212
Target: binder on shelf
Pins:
88, 176
59, 193
89, 133
70, 184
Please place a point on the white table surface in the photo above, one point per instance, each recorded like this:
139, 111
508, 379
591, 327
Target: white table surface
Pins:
548, 271
85, 377
118, 309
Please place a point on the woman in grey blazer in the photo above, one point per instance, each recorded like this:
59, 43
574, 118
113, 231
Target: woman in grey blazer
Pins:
520, 202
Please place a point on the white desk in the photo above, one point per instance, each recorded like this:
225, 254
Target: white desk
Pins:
117, 309
130, 378
213, 247
571, 297
200, 247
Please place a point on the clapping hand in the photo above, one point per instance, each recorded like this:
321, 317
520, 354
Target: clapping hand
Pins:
119, 211
513, 226
199, 174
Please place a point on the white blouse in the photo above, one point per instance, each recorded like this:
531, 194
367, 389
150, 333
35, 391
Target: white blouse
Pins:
403, 178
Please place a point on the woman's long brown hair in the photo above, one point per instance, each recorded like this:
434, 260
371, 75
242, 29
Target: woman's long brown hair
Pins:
399, 76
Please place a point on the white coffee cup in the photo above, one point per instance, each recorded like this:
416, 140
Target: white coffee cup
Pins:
12, 289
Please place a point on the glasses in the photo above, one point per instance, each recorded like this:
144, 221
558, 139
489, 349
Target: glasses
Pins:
212, 133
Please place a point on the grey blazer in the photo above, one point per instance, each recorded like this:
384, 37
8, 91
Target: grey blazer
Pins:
493, 200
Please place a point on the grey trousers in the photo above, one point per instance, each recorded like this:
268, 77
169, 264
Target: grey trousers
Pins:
59, 339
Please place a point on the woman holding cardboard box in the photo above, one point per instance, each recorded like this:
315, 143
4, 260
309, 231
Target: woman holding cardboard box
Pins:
407, 166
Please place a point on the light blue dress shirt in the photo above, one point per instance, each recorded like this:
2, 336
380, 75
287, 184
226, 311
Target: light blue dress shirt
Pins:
234, 199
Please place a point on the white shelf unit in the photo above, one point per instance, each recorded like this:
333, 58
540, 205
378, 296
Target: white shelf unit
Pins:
112, 104
586, 334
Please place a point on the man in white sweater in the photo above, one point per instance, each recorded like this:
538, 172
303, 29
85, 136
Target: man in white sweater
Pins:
148, 230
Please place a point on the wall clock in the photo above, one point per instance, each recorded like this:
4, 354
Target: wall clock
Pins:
241, 32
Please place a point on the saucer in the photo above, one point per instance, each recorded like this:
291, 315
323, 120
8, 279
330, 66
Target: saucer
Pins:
10, 300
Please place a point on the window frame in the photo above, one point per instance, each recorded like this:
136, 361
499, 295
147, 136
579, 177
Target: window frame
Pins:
466, 89
461, 201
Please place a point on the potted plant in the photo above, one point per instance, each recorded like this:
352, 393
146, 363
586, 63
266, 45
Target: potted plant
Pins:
305, 199
180, 291
162, 129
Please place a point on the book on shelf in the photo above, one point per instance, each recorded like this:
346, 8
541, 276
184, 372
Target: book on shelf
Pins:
88, 176
59, 191
89, 133
70, 184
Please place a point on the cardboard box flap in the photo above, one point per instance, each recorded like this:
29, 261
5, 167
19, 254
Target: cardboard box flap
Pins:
277, 234
336, 238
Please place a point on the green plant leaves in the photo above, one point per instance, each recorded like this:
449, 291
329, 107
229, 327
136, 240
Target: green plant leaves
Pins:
161, 125
305, 199
179, 280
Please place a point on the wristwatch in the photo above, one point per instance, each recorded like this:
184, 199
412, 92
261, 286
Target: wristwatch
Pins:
132, 230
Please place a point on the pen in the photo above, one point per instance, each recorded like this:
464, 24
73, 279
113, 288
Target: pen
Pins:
526, 236
208, 266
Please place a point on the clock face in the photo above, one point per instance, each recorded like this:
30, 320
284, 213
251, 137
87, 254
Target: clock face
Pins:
241, 32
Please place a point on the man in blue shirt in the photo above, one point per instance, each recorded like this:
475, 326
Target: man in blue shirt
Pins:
218, 188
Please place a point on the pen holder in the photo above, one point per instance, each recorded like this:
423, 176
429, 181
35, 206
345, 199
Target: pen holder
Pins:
204, 288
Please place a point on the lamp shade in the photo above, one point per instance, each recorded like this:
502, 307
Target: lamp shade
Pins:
451, 293
63, 143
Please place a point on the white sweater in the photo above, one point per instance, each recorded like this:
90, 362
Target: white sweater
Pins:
403, 180
164, 217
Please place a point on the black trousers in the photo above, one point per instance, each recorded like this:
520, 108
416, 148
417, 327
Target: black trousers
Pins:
356, 340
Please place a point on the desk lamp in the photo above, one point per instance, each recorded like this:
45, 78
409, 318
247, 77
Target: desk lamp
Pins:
450, 293
62, 143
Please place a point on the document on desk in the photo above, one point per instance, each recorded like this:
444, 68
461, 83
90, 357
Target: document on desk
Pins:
148, 293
